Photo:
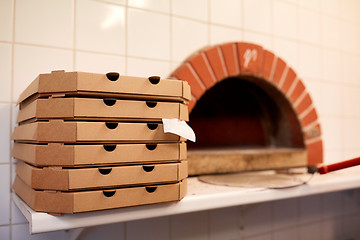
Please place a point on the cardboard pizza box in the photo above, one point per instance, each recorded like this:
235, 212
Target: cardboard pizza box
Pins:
65, 179
87, 132
99, 199
72, 155
101, 109
106, 85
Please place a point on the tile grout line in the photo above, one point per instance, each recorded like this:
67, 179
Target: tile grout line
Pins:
74, 35
126, 36
11, 113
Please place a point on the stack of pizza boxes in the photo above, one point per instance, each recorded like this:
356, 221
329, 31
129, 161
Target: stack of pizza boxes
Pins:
88, 142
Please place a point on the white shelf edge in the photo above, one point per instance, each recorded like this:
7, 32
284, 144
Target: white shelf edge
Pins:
43, 222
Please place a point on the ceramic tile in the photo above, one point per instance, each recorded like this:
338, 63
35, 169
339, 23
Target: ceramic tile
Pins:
331, 229
5, 232
191, 9
288, 51
16, 216
154, 228
219, 35
99, 63
331, 7
44, 22
309, 209
350, 226
285, 213
309, 61
224, 223
100, 27
145, 40
331, 204
183, 45
226, 14
257, 15
145, 68
265, 236
309, 26
331, 35
350, 37
351, 70
189, 226
263, 40
351, 134
310, 4
349, 10
107, 231
285, 19
154, 5
333, 156
21, 232
5, 72
332, 133
332, 96
5, 132
286, 234
332, 66
5, 194
257, 218
351, 201
26, 69
351, 101
310, 231
6, 20
15, 112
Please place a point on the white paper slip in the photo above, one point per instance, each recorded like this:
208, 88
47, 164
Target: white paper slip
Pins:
178, 127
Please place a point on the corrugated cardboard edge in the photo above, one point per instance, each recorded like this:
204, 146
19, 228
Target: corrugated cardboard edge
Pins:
183, 151
183, 170
183, 189
186, 91
30, 90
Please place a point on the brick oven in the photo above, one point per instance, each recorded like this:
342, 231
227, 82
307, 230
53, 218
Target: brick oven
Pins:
249, 110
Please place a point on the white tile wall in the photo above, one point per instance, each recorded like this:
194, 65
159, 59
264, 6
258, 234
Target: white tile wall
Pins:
100, 27
5, 72
6, 20
318, 38
44, 22
153, 27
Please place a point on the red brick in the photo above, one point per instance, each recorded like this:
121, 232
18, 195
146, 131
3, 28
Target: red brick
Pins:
315, 152
289, 80
279, 70
185, 73
217, 65
313, 132
268, 61
250, 58
309, 118
304, 104
230, 57
202, 69
298, 90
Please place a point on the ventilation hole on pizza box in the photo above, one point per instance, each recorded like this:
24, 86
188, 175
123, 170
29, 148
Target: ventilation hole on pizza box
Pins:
109, 101
148, 168
152, 126
112, 76
111, 125
150, 189
105, 171
109, 193
151, 104
154, 80
109, 147
151, 146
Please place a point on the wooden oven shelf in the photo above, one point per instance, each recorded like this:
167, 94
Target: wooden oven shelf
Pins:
225, 160
201, 196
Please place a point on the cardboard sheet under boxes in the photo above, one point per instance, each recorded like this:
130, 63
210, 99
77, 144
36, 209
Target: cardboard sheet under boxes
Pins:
88, 142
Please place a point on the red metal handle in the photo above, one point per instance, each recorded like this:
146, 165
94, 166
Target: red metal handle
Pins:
337, 166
